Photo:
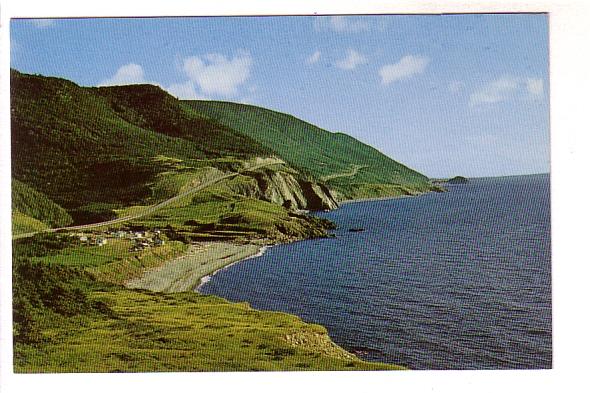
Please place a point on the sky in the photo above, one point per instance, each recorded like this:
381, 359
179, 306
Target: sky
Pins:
446, 95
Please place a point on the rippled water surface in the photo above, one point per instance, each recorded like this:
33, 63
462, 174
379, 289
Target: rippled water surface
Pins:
458, 280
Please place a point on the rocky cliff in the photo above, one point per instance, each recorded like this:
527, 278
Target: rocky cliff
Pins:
286, 189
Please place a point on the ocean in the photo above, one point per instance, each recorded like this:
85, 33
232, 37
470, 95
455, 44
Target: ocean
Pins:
455, 280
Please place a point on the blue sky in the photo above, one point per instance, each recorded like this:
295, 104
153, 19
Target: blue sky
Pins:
444, 94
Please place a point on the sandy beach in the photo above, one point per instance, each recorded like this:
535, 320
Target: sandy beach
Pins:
350, 201
186, 272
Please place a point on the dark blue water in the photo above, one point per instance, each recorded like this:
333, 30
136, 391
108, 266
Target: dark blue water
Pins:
458, 280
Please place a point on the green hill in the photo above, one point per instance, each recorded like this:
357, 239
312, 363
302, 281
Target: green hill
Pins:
87, 154
348, 166
33, 210
93, 150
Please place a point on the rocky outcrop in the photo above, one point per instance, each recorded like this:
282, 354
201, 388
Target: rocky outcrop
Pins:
318, 196
285, 189
458, 180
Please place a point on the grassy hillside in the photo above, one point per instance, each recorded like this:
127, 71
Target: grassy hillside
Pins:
345, 164
21, 223
90, 154
92, 150
35, 204
64, 316
33, 210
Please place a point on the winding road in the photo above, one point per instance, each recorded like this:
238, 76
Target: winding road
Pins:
353, 171
154, 208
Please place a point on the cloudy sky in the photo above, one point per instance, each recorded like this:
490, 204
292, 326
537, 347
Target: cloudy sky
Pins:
444, 94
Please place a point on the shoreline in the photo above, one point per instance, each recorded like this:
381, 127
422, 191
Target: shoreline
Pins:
192, 270
386, 198
186, 272
205, 279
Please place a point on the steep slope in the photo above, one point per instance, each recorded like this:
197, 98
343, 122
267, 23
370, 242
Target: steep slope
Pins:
92, 150
150, 108
95, 151
31, 202
345, 164
33, 210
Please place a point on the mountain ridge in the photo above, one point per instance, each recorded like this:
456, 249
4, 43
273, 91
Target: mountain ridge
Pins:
314, 151
96, 150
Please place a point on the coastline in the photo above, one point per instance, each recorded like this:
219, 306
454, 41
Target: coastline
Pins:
386, 198
205, 279
190, 271
186, 272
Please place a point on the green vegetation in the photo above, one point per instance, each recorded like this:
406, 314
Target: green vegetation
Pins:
379, 190
84, 155
21, 223
318, 153
94, 150
32, 210
137, 145
64, 315
180, 332
42, 291
113, 262
220, 213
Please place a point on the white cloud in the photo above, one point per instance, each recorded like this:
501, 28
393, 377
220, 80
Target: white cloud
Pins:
185, 91
505, 88
314, 58
129, 74
351, 61
535, 87
341, 24
499, 90
216, 74
42, 23
407, 67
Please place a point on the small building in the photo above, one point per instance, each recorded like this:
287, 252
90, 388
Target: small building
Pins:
83, 238
100, 241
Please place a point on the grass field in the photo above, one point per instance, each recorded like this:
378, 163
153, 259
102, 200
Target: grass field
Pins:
183, 332
114, 262
21, 223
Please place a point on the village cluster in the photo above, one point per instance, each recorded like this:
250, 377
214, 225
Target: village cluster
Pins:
140, 239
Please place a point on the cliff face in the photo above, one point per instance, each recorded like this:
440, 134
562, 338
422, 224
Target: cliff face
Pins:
285, 189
